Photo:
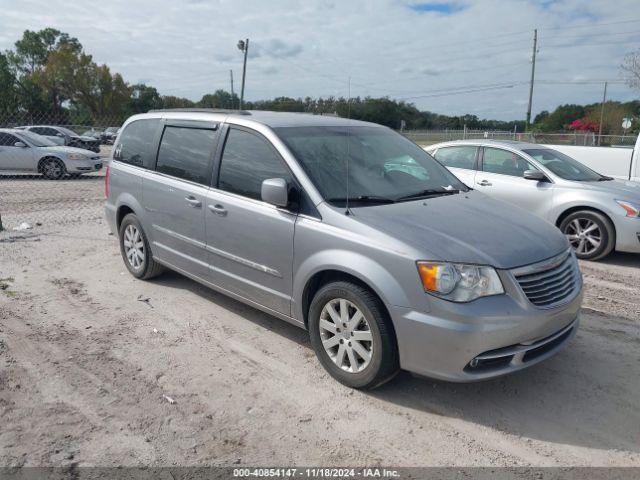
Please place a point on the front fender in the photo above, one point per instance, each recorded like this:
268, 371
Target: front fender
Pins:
370, 272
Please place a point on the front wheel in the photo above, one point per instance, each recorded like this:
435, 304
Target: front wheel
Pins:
590, 233
352, 335
53, 169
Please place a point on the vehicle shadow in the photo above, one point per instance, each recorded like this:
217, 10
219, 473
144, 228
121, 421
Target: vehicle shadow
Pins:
584, 396
269, 322
621, 259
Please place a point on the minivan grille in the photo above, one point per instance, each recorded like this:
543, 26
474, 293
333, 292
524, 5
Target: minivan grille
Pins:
552, 284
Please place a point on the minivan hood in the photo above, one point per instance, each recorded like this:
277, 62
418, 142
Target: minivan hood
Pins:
468, 228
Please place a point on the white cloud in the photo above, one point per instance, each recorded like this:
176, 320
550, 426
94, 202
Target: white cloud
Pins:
386, 47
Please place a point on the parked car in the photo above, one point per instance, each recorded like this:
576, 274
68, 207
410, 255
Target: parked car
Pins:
110, 134
349, 230
97, 134
22, 151
622, 163
597, 213
64, 136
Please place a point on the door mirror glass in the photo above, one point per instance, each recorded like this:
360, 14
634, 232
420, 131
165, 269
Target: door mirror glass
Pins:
20, 145
536, 175
275, 191
59, 135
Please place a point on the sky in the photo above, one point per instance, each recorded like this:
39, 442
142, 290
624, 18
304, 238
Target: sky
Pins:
450, 57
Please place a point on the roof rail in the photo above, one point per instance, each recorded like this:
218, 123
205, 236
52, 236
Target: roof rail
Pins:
202, 110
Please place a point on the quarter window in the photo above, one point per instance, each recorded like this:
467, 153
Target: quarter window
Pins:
497, 160
186, 153
457, 157
247, 161
136, 143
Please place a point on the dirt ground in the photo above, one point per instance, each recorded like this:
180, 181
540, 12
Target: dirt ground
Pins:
97, 368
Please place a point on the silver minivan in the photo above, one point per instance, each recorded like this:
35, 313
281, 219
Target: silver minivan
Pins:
348, 230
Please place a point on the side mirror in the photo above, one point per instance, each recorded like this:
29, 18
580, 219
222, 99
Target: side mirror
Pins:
536, 175
59, 135
275, 191
20, 145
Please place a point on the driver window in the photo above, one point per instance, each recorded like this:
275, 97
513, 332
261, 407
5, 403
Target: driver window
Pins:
8, 140
504, 162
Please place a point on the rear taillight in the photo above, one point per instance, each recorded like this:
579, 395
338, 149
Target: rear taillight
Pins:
106, 182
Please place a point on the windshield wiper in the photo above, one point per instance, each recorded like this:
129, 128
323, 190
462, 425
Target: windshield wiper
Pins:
604, 178
432, 192
363, 199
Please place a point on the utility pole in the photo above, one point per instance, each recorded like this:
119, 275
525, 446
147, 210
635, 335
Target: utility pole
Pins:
604, 99
533, 72
232, 101
243, 45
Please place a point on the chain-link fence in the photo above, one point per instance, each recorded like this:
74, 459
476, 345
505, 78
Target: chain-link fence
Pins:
429, 137
52, 171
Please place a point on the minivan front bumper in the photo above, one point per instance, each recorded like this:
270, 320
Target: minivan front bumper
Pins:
486, 338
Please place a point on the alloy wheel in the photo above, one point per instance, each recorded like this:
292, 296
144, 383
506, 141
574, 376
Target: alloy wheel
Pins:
584, 235
53, 169
133, 246
346, 335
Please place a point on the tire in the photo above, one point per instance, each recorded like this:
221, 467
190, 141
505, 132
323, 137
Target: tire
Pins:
53, 168
584, 228
383, 361
139, 263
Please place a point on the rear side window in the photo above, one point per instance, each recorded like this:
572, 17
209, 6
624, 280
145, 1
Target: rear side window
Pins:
247, 161
136, 144
457, 157
186, 153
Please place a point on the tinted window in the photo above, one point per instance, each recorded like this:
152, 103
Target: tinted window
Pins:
136, 143
8, 140
248, 160
457, 157
186, 153
40, 130
496, 160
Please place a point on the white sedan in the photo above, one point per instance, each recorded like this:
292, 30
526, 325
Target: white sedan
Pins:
22, 151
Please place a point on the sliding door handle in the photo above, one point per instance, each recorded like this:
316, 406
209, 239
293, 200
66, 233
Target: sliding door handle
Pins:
218, 209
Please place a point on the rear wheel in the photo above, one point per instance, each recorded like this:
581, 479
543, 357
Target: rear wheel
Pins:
590, 233
53, 168
352, 335
135, 250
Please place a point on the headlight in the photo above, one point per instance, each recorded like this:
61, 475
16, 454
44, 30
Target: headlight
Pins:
632, 209
459, 282
76, 156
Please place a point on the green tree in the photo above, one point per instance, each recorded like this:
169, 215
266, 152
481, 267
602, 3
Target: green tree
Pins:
219, 99
144, 98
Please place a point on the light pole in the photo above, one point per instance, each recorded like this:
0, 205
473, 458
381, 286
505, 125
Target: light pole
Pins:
243, 46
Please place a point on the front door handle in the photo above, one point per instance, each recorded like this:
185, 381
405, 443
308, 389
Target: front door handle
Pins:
485, 183
193, 201
218, 209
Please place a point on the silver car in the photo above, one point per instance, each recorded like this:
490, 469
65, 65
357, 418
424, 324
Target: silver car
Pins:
22, 151
348, 230
597, 213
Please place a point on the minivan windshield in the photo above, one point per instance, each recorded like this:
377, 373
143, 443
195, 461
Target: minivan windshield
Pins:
383, 166
564, 166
